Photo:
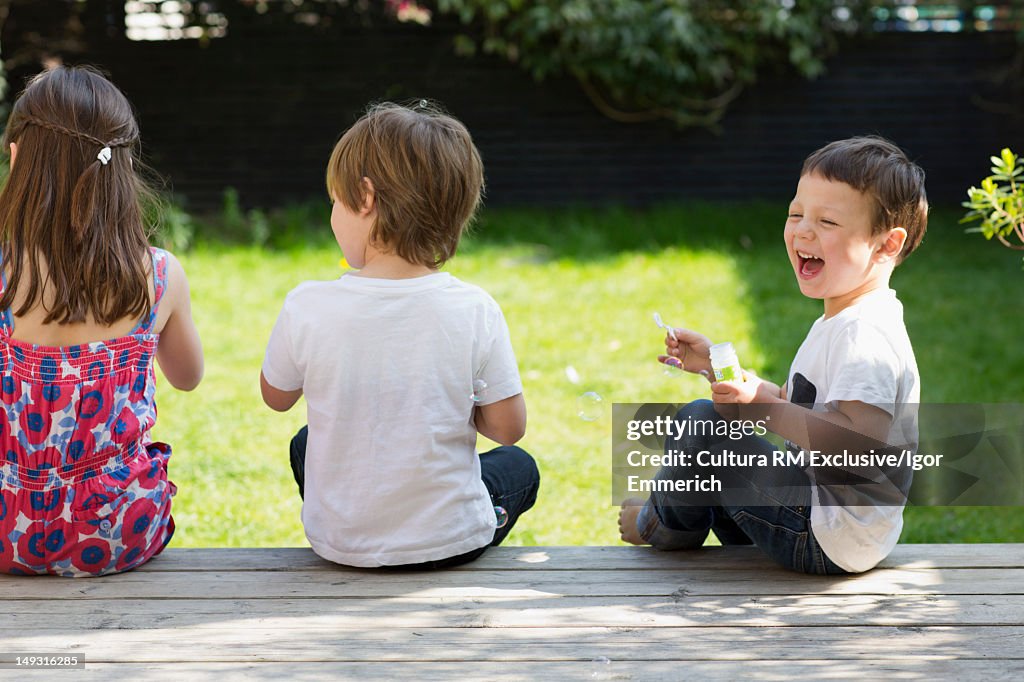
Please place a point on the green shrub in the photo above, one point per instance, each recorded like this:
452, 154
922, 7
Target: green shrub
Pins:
175, 229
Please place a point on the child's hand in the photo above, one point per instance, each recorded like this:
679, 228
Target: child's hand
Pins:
689, 350
730, 396
751, 399
751, 390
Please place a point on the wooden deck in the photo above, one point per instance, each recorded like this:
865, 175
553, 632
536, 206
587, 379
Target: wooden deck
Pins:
535, 613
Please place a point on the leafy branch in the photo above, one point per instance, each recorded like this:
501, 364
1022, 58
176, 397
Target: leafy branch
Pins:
999, 202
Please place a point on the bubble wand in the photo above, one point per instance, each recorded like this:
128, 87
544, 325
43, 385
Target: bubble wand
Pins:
670, 361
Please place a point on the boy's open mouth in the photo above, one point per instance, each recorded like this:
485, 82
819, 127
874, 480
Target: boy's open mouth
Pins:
810, 265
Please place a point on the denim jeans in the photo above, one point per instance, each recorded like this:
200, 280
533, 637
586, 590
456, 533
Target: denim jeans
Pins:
780, 528
509, 474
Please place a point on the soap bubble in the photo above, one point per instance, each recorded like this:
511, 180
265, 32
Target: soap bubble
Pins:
672, 367
600, 668
590, 406
502, 516
479, 390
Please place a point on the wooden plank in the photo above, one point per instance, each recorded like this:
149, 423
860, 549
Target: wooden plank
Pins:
511, 612
587, 558
527, 644
991, 671
349, 583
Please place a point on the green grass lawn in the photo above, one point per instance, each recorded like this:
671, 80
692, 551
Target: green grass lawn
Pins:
578, 288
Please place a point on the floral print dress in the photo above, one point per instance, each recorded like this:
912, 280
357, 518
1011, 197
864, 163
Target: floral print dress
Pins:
83, 489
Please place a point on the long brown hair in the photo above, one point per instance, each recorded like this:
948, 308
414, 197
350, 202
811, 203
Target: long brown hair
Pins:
61, 203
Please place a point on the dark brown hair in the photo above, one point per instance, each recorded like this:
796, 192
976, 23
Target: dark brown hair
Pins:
427, 178
877, 167
63, 206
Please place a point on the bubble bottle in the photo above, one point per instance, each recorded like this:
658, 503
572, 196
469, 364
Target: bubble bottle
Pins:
725, 363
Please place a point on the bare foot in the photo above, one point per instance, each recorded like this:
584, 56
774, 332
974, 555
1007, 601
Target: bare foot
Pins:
631, 506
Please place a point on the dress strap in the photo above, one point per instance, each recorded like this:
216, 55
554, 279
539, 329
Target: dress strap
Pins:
159, 257
6, 320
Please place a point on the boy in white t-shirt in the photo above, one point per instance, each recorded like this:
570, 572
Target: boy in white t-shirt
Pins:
860, 209
401, 365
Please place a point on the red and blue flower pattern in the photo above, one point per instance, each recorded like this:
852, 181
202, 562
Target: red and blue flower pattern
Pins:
83, 489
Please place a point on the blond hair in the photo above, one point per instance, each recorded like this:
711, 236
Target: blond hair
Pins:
426, 174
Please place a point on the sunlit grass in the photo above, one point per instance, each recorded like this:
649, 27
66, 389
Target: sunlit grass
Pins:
578, 288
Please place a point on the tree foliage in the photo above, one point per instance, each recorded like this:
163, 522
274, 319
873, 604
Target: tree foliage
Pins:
637, 60
641, 60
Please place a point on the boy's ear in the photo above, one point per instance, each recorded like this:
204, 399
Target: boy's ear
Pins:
892, 244
369, 197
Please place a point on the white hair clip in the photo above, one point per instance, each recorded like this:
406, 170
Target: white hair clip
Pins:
104, 156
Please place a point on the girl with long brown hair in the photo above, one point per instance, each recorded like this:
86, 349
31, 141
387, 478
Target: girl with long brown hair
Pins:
86, 306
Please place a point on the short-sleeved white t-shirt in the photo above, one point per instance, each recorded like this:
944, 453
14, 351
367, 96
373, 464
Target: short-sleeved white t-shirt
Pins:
387, 368
861, 354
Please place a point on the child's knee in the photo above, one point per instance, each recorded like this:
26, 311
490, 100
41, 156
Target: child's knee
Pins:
697, 410
527, 466
694, 434
522, 467
515, 455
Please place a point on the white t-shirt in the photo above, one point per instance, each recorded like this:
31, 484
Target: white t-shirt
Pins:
387, 368
864, 354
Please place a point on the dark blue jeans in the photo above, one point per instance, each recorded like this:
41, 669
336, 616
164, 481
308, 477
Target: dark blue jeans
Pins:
509, 474
779, 524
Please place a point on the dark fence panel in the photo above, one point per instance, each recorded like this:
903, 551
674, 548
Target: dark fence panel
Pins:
260, 109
